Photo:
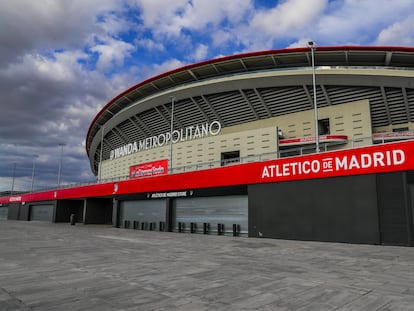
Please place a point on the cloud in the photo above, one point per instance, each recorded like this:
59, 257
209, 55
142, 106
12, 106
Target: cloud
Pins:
170, 18
112, 53
399, 33
168, 65
354, 21
199, 14
158, 15
201, 52
150, 45
50, 83
37, 25
287, 18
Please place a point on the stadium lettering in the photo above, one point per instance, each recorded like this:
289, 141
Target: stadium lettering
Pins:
291, 169
332, 165
188, 133
366, 160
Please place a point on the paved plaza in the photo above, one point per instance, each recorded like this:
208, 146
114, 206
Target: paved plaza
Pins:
45, 266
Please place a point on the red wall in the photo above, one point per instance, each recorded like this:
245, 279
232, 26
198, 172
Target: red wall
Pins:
390, 157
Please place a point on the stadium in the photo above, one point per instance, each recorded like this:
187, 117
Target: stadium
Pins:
234, 146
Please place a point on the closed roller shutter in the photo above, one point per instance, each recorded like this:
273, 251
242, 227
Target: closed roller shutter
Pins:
144, 212
227, 210
4, 211
41, 212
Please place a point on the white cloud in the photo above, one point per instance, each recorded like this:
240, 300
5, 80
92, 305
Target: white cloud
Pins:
155, 10
112, 23
399, 33
150, 45
200, 52
221, 37
202, 13
169, 18
158, 14
354, 21
62, 67
168, 65
112, 52
288, 17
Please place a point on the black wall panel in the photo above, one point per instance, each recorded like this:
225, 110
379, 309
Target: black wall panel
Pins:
24, 213
65, 208
411, 208
98, 211
410, 177
14, 211
394, 209
115, 213
342, 209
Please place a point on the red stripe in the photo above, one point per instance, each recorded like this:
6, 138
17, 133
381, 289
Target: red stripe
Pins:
368, 160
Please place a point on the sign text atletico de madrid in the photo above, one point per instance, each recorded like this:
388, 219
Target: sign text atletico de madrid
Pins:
332, 165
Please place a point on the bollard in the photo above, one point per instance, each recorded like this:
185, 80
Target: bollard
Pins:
220, 229
72, 219
236, 230
206, 228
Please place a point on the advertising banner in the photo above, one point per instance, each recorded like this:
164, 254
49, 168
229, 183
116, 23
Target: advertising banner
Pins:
369, 160
149, 169
312, 140
393, 136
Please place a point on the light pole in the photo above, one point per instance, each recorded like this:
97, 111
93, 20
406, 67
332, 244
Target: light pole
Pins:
33, 172
171, 132
14, 175
100, 156
60, 163
311, 44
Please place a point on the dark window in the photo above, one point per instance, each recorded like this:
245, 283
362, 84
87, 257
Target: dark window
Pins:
323, 127
230, 157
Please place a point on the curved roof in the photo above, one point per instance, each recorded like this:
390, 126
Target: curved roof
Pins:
271, 59
241, 64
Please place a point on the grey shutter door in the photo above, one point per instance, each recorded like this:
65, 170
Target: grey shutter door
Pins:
4, 212
41, 212
144, 211
227, 210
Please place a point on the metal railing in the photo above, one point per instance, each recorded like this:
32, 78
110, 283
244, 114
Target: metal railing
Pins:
284, 153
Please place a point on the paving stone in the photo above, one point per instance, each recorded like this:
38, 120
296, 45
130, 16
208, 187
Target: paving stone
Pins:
46, 266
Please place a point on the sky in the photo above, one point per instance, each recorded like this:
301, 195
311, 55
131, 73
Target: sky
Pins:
62, 61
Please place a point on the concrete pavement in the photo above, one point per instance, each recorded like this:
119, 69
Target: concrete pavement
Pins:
45, 266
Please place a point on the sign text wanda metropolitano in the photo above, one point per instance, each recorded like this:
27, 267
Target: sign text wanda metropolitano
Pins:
184, 134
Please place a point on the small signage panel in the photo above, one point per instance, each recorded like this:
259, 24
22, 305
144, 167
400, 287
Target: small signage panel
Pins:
149, 169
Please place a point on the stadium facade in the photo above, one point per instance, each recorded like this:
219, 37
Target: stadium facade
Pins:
229, 146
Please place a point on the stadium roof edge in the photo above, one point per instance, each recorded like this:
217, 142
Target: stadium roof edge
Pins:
234, 57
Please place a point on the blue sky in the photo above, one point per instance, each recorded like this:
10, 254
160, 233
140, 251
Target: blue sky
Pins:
62, 61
